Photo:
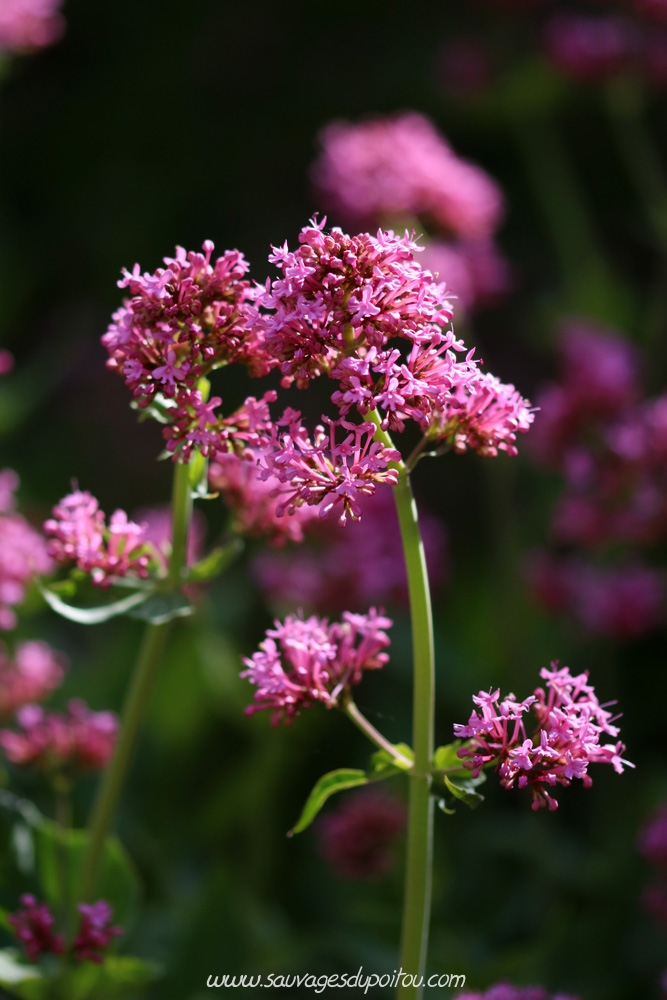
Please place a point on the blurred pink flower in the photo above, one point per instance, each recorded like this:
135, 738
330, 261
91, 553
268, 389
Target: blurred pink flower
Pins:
465, 67
474, 270
652, 840
33, 927
590, 48
353, 567
95, 932
23, 552
156, 524
314, 661
359, 838
6, 361
383, 169
504, 991
49, 740
30, 24
30, 675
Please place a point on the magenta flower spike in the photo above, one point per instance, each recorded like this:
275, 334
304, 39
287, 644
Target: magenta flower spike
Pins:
95, 932
565, 741
306, 661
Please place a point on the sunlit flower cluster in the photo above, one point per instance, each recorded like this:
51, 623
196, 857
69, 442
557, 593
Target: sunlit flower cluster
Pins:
566, 739
306, 661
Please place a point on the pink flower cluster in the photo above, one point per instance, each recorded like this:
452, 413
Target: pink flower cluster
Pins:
484, 415
504, 991
33, 673
33, 926
29, 24
398, 169
79, 533
566, 739
306, 661
402, 166
255, 502
358, 839
180, 323
652, 844
354, 567
611, 449
22, 552
49, 740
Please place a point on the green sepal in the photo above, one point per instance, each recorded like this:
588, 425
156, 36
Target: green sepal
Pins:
159, 608
93, 615
215, 562
325, 787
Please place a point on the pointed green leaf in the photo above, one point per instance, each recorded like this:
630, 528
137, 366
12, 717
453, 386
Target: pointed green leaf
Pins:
95, 615
447, 757
326, 786
215, 562
464, 789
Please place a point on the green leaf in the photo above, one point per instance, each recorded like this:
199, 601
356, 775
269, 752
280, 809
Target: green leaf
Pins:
117, 978
94, 615
442, 804
464, 789
198, 475
215, 562
384, 765
59, 860
159, 608
12, 971
325, 787
447, 757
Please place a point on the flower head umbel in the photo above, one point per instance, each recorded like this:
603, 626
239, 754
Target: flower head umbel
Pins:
306, 661
401, 166
79, 533
95, 932
566, 739
22, 552
30, 675
33, 926
358, 838
78, 738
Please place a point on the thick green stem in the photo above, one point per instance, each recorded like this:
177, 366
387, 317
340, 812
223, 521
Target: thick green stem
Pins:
417, 899
138, 696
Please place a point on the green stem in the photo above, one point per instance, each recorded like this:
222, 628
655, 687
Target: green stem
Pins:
374, 735
138, 696
417, 899
62, 791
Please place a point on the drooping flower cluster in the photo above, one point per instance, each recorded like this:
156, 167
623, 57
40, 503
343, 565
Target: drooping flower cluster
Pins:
611, 449
77, 739
29, 24
306, 661
79, 533
33, 925
402, 166
95, 932
30, 675
569, 724
353, 567
504, 991
22, 552
398, 169
358, 838
181, 322
652, 844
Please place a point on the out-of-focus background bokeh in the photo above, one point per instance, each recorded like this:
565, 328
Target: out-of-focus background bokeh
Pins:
155, 124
